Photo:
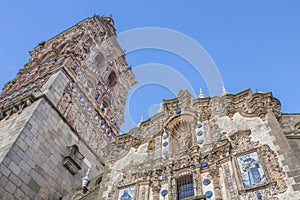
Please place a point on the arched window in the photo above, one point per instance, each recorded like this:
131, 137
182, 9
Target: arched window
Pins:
42, 58
112, 80
60, 48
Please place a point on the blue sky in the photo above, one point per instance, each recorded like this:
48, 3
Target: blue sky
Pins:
255, 44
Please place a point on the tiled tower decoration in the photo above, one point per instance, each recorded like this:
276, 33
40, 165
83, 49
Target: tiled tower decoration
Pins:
98, 80
60, 118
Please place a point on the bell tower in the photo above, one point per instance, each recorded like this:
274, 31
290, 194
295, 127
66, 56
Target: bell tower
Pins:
68, 100
97, 75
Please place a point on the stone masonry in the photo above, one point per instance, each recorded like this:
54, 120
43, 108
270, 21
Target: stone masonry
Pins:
61, 115
62, 108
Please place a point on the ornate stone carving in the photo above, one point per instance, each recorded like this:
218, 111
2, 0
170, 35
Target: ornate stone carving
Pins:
215, 175
65, 102
241, 141
94, 101
197, 179
126, 179
276, 172
128, 141
113, 152
205, 114
293, 134
180, 134
155, 185
15, 107
151, 145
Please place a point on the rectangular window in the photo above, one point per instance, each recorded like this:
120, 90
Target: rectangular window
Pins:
185, 187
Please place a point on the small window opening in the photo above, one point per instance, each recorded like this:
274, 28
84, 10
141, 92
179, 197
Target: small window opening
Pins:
185, 187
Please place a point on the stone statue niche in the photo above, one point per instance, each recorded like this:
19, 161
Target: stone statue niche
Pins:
181, 136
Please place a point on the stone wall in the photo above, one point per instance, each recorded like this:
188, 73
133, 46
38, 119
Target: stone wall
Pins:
37, 143
12, 151
212, 147
60, 118
269, 132
290, 146
61, 110
33, 167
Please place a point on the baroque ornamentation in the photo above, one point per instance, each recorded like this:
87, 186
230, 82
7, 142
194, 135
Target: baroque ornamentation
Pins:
183, 144
241, 141
276, 172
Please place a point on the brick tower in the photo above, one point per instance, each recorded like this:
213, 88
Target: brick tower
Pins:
61, 110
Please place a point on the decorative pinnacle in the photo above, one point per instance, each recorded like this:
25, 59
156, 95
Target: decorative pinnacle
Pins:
161, 108
224, 92
258, 91
201, 94
86, 179
141, 120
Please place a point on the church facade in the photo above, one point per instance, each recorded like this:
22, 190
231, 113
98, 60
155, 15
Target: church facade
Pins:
61, 115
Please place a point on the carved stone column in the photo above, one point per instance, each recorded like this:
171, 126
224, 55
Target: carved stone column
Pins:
156, 190
197, 182
172, 188
215, 174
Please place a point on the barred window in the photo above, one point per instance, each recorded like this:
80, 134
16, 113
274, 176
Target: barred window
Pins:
185, 186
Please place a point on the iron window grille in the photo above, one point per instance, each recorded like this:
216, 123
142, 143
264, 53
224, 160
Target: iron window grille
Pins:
185, 186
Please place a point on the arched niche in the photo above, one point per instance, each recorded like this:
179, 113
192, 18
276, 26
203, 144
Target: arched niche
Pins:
61, 47
180, 131
112, 80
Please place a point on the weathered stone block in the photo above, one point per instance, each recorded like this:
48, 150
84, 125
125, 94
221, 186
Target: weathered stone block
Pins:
296, 187
2, 191
294, 166
41, 172
31, 163
19, 195
17, 181
3, 181
293, 173
22, 145
34, 186
10, 187
25, 166
5, 171
32, 194
25, 189
14, 168
8, 196
38, 178
16, 158
6, 161
28, 141
297, 179
24, 177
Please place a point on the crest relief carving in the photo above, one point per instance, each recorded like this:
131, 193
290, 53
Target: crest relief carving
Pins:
241, 141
